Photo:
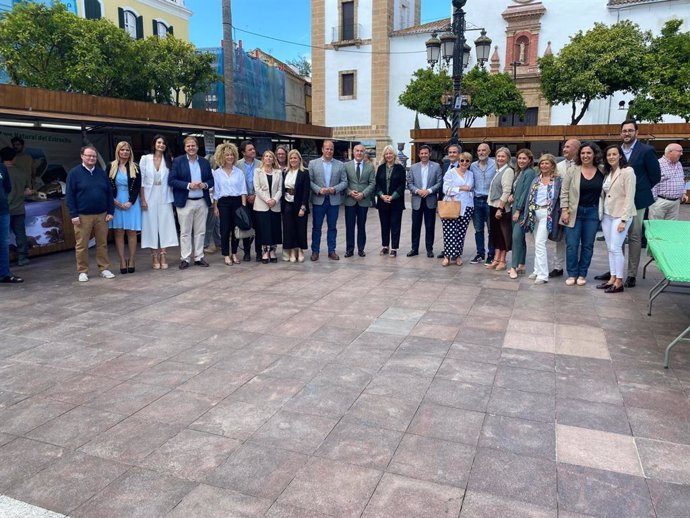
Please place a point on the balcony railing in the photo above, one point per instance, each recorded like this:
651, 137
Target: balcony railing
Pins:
337, 39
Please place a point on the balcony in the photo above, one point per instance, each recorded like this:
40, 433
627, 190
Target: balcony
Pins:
344, 38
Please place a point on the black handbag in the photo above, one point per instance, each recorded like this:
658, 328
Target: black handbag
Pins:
243, 219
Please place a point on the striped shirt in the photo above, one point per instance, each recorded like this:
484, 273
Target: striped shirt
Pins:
672, 184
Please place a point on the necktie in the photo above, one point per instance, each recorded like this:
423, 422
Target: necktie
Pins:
359, 171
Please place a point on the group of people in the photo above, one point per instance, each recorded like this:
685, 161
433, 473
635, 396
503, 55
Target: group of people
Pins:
564, 202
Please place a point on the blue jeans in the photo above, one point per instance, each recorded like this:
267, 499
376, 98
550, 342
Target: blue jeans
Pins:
480, 219
355, 216
579, 241
330, 212
4, 245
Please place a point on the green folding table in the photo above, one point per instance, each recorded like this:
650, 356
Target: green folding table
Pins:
669, 244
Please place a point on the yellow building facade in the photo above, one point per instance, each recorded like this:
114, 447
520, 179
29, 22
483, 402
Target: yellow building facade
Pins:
141, 18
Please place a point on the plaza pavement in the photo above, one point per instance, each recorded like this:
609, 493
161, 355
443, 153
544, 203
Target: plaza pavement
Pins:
363, 387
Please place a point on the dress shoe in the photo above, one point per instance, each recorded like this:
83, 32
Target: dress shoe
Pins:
604, 286
333, 256
362, 253
630, 282
556, 273
184, 265
247, 257
202, 262
412, 253
314, 256
384, 251
430, 254
13, 279
614, 289
349, 253
394, 253
603, 277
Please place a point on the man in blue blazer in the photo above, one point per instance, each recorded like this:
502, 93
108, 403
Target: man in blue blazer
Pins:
328, 180
642, 158
424, 182
191, 178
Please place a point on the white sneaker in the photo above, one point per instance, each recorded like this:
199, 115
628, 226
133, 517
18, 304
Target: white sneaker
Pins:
107, 274
540, 281
532, 276
83, 277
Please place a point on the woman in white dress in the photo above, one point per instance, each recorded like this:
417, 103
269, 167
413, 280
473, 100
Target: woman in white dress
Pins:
158, 230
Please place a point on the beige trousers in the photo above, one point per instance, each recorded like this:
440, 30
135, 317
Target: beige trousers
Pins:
82, 234
192, 218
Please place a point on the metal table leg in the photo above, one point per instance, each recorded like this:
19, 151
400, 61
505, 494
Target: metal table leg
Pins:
644, 268
679, 338
655, 292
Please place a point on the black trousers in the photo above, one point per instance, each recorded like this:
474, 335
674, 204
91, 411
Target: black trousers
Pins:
227, 206
429, 217
391, 219
355, 216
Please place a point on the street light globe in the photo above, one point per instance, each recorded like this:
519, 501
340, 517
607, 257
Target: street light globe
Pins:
483, 44
447, 44
433, 50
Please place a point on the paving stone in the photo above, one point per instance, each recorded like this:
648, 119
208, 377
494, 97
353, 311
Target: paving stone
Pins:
266, 391
529, 342
597, 449
655, 397
127, 397
665, 461
571, 386
527, 359
422, 365
382, 411
516, 477
670, 500
168, 374
459, 394
295, 432
520, 436
80, 388
597, 416
236, 419
30, 413
344, 376
398, 384
21, 458
324, 399
67, 483
139, 493
524, 405
402, 496
602, 493
215, 382
124, 367
212, 502
435, 460
191, 455
254, 469
467, 371
355, 442
178, 407
447, 423
331, 487
279, 510
660, 424
75, 428
527, 380
486, 505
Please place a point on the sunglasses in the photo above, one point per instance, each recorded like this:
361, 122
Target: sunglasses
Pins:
464, 161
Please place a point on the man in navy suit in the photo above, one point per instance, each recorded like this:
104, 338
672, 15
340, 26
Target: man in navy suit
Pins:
642, 158
190, 179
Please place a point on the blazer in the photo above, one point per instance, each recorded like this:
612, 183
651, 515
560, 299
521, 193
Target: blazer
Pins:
620, 200
263, 193
644, 162
397, 185
570, 195
501, 186
148, 170
257, 164
366, 183
180, 176
133, 185
434, 181
556, 233
317, 180
521, 187
302, 190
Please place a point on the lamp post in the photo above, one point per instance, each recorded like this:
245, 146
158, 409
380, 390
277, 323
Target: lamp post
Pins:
452, 45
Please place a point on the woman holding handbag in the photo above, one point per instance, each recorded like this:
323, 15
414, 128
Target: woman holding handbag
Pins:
296, 188
229, 193
457, 186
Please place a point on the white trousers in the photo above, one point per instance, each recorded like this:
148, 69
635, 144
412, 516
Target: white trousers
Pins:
614, 244
192, 218
559, 255
541, 235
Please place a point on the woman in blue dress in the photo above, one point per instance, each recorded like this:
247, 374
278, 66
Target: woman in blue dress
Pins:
125, 181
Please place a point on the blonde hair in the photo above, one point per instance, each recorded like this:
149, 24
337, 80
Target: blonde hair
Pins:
466, 156
275, 165
299, 155
130, 166
505, 151
547, 157
219, 155
383, 155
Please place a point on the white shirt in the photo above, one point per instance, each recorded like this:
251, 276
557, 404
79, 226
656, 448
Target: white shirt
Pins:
542, 195
195, 172
224, 184
425, 175
290, 180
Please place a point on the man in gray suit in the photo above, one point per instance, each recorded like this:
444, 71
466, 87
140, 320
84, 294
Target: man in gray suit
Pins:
424, 182
361, 181
328, 181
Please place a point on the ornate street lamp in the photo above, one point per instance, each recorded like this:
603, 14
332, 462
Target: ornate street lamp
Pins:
452, 45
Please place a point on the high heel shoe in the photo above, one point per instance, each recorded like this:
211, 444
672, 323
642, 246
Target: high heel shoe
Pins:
272, 255
227, 261
264, 256
445, 262
492, 265
130, 269
234, 259
500, 266
123, 270
300, 257
513, 274
164, 262
155, 263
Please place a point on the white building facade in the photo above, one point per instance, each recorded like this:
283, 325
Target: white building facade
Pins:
367, 50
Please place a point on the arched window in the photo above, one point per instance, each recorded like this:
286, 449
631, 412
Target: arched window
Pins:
131, 23
160, 28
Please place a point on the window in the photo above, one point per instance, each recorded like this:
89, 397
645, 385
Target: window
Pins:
92, 9
347, 20
131, 23
160, 28
348, 85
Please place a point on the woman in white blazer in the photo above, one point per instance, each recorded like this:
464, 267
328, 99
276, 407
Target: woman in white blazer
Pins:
268, 186
158, 230
618, 200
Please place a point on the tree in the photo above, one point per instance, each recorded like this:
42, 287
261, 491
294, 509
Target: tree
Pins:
594, 65
302, 64
35, 43
488, 94
667, 67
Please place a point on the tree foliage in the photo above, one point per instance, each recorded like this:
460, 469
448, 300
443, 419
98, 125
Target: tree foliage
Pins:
489, 94
667, 91
302, 64
49, 47
594, 65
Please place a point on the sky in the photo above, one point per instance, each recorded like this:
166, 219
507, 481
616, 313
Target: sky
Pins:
288, 20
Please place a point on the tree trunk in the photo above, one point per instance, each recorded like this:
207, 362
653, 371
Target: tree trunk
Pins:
228, 54
575, 120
